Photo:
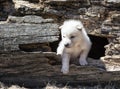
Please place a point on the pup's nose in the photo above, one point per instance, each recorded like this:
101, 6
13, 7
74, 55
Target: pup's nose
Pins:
66, 45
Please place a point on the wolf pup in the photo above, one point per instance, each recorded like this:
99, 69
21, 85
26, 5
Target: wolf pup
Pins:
75, 43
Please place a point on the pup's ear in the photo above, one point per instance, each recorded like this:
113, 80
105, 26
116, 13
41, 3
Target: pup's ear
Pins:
79, 27
60, 27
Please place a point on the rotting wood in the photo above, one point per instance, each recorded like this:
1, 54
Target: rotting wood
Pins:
38, 69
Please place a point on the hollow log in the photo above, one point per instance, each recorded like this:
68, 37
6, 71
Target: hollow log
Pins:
37, 69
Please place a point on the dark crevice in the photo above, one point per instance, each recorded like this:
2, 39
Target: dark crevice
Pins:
35, 47
97, 49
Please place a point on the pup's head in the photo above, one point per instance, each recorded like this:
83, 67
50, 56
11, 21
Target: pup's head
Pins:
71, 32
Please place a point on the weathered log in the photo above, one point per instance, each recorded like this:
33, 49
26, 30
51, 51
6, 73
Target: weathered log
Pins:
112, 52
23, 7
111, 3
36, 70
24, 30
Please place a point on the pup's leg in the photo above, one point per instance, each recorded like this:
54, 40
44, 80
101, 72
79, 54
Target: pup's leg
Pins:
60, 48
83, 56
65, 63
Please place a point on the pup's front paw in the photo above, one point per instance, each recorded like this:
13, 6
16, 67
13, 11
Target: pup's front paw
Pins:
59, 52
83, 62
64, 71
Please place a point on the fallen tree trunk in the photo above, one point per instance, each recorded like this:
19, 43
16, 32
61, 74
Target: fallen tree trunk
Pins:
38, 69
25, 30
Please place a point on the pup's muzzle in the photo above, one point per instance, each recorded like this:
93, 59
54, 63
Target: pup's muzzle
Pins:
67, 45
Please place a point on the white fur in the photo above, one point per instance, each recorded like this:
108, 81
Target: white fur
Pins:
78, 43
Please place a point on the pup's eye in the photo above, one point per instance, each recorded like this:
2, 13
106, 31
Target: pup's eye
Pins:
72, 37
63, 36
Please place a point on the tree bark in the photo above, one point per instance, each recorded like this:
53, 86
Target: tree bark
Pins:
25, 30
